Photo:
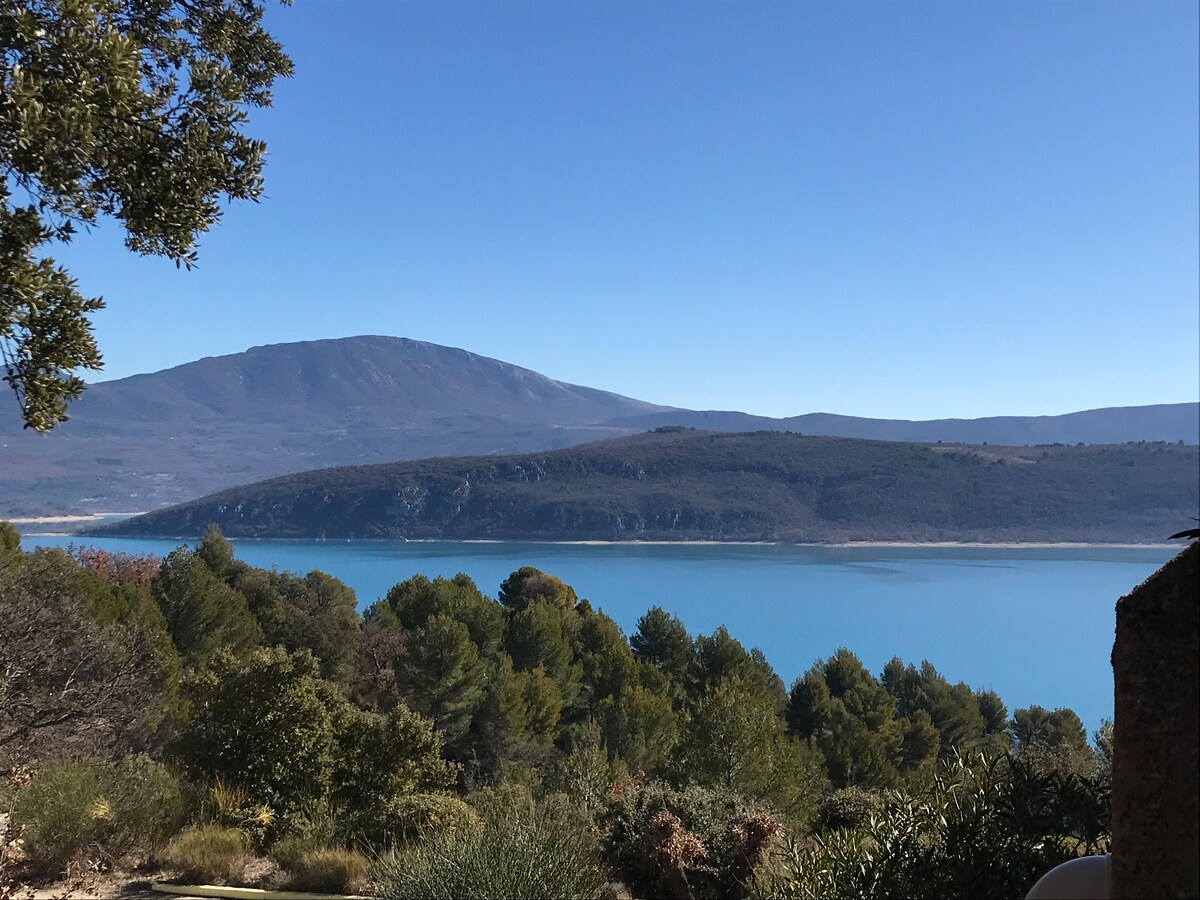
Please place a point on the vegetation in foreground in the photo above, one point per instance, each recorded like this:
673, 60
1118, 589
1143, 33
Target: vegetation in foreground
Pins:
234, 724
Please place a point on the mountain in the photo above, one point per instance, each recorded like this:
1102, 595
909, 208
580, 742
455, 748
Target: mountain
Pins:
151, 440
1114, 425
681, 484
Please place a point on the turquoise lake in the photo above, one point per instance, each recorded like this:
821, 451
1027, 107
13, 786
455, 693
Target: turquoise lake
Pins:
1034, 624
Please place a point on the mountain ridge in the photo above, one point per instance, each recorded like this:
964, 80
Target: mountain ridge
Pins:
681, 484
155, 439
1104, 425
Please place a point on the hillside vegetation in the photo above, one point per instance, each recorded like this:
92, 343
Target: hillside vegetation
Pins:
677, 484
207, 714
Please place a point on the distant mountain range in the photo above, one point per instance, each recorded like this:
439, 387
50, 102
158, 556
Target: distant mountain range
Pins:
150, 440
681, 484
1115, 425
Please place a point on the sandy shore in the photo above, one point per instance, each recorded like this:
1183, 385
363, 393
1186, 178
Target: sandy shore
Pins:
67, 520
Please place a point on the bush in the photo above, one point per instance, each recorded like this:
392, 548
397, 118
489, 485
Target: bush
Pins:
659, 839
983, 828
148, 806
321, 823
317, 826
509, 798
330, 871
289, 851
516, 853
75, 809
212, 854
406, 820
62, 815
848, 807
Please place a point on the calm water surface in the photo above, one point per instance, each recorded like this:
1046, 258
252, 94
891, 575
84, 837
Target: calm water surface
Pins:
1034, 624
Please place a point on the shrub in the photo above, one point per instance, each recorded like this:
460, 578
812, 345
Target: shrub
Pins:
261, 723
209, 854
317, 826
148, 806
230, 805
982, 828
659, 839
331, 871
848, 807
72, 809
509, 798
62, 814
406, 820
516, 853
290, 850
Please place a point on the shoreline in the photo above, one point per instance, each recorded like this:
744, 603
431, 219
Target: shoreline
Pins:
64, 520
834, 545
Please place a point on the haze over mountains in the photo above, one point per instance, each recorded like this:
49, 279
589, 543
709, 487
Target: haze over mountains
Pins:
150, 440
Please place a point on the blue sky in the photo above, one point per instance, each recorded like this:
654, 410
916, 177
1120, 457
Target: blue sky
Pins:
903, 209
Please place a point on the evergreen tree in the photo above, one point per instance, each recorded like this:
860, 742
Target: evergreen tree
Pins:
1051, 740
201, 611
539, 636
864, 697
317, 613
412, 602
996, 736
216, 552
535, 704
720, 656
726, 739
734, 740
953, 709
639, 726
441, 676
920, 742
662, 641
528, 584
810, 705
847, 715
604, 654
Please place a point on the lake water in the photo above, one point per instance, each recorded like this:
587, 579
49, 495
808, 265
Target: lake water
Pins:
1034, 624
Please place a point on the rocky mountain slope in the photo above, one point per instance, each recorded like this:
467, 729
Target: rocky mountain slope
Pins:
692, 485
151, 440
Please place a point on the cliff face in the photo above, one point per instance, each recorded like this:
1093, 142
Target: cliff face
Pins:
1156, 754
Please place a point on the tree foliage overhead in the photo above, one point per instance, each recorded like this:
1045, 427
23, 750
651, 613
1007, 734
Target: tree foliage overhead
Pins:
132, 109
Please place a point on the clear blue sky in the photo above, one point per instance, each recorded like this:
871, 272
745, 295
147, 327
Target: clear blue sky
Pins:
898, 209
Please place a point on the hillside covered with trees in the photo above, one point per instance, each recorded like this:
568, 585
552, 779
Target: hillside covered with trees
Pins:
194, 711
680, 484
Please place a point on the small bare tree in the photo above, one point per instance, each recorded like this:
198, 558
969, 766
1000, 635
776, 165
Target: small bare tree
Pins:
69, 685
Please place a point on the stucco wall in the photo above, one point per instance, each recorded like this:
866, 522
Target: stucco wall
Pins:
1156, 754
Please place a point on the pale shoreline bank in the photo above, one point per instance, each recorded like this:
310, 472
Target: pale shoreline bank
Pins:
66, 520
837, 545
